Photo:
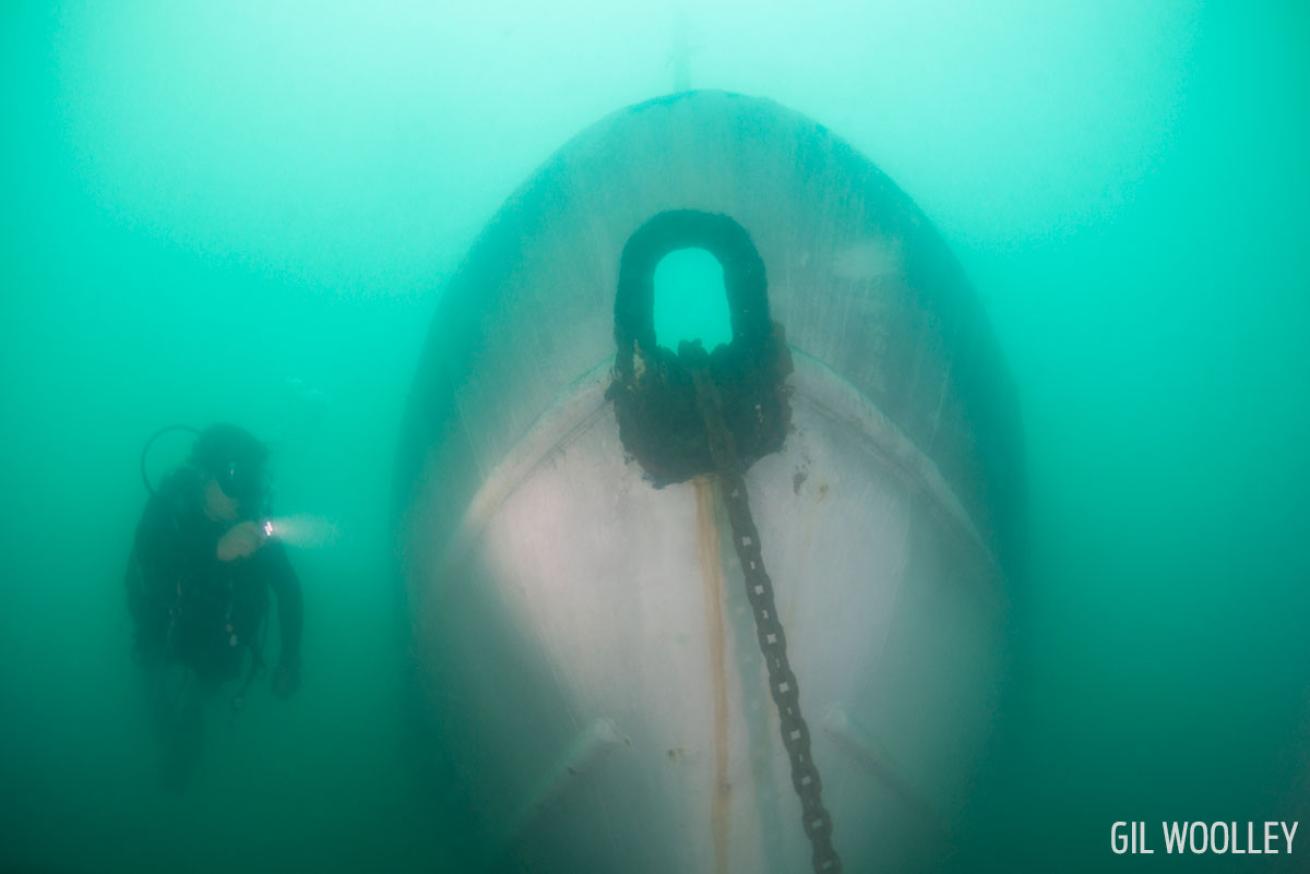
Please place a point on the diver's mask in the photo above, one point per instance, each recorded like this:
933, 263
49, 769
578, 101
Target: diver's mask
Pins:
245, 484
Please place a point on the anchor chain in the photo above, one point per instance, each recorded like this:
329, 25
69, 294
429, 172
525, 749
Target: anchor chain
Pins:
773, 642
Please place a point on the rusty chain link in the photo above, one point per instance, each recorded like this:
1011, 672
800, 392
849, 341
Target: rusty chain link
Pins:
773, 642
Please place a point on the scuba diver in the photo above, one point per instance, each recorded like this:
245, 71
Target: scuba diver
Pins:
202, 564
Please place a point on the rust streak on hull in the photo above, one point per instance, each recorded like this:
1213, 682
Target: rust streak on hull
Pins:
712, 573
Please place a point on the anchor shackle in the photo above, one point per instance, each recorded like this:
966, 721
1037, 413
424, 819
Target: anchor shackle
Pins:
743, 276
653, 389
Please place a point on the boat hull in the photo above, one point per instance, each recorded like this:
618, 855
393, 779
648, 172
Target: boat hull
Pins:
584, 635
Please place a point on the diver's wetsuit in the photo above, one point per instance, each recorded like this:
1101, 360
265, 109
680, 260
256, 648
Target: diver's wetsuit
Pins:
197, 613
192, 608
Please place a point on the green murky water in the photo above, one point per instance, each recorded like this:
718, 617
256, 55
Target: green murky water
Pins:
243, 213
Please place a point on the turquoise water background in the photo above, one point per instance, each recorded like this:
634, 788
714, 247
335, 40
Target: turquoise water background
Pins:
245, 212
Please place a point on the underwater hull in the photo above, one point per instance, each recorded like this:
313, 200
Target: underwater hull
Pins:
592, 637
584, 636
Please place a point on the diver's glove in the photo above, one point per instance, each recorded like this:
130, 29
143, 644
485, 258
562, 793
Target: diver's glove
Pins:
286, 677
240, 541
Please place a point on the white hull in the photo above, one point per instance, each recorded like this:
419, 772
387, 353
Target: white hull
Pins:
585, 636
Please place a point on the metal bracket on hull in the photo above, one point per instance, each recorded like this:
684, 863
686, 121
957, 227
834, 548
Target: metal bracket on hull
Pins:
588, 748
857, 741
